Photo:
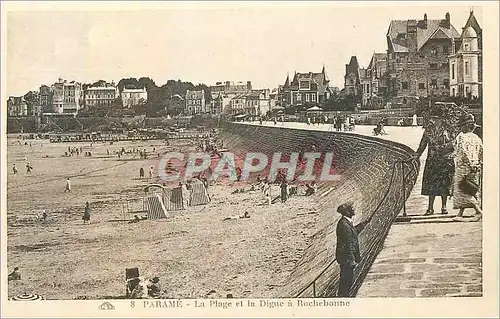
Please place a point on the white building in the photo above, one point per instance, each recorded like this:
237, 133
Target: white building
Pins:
66, 96
101, 95
195, 102
133, 97
464, 66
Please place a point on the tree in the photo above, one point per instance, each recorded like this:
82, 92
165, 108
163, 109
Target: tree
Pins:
130, 83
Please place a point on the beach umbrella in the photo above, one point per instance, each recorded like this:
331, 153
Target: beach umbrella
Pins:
27, 297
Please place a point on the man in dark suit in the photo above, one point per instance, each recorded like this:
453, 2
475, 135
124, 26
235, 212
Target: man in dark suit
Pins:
347, 252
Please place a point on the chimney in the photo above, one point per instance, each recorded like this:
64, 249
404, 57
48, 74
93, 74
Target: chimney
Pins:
425, 17
447, 23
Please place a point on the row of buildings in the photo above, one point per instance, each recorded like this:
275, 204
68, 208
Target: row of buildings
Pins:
230, 98
424, 58
65, 97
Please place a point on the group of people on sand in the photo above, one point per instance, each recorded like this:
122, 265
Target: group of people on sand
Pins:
138, 287
453, 165
151, 173
29, 168
287, 189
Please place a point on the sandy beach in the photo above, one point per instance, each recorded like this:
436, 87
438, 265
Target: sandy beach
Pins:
194, 252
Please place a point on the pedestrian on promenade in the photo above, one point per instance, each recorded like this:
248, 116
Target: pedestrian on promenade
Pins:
141, 173
468, 160
347, 251
14, 168
86, 213
68, 186
414, 121
439, 165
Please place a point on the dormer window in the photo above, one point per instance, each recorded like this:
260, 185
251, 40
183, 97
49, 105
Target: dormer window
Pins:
466, 47
304, 85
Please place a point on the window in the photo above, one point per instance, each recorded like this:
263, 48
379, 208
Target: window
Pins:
299, 97
467, 91
434, 51
434, 83
446, 83
453, 72
453, 92
404, 85
304, 85
307, 97
313, 97
466, 68
421, 86
433, 66
466, 46
446, 50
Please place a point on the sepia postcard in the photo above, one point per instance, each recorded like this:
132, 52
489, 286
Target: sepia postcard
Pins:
249, 159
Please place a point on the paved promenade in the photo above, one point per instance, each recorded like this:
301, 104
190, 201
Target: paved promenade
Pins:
424, 256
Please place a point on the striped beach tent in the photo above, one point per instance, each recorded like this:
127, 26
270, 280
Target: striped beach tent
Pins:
156, 208
172, 198
199, 195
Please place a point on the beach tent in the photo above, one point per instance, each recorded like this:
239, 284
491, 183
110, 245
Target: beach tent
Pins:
314, 109
172, 198
199, 195
155, 207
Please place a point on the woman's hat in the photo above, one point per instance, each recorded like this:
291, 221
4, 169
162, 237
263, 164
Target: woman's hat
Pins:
466, 119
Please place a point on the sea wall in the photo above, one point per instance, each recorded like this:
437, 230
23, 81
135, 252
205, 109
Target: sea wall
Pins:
377, 175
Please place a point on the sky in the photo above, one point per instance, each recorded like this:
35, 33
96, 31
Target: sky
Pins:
203, 43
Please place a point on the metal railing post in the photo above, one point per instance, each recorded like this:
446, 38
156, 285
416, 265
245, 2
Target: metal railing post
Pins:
404, 187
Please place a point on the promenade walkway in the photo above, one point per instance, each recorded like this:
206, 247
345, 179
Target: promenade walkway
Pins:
423, 256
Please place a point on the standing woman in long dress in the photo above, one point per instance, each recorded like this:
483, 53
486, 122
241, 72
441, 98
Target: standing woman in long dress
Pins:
86, 213
414, 120
439, 165
468, 158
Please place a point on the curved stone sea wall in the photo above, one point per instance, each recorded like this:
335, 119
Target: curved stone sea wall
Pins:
377, 175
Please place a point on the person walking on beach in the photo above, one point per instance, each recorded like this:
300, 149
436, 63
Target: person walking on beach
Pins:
266, 189
347, 250
28, 168
468, 159
141, 173
284, 190
68, 186
86, 214
14, 169
439, 165
186, 195
151, 173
